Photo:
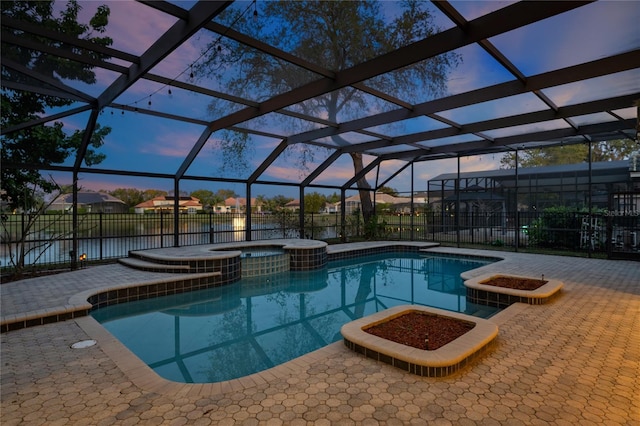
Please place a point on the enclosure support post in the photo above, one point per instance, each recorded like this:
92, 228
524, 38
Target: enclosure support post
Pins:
591, 222
74, 223
517, 239
176, 213
412, 237
301, 213
343, 232
248, 213
442, 207
457, 186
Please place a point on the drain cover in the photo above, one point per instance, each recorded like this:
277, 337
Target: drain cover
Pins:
83, 344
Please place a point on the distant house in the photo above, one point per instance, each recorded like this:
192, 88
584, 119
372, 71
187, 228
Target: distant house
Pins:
293, 205
89, 201
330, 208
165, 203
352, 204
237, 205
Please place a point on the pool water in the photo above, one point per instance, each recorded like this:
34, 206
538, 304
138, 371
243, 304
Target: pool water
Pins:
260, 322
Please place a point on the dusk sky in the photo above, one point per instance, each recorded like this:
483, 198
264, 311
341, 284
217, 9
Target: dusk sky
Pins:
141, 142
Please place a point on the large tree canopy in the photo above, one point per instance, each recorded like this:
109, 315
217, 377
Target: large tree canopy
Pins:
571, 154
43, 145
336, 35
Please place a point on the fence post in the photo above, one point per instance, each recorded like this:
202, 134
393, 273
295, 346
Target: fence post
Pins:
161, 229
517, 242
473, 218
101, 233
210, 227
24, 240
22, 226
433, 225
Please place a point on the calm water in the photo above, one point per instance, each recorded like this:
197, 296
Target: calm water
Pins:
257, 323
51, 250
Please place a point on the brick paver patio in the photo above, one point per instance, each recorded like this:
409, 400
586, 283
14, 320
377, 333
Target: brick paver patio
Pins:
573, 361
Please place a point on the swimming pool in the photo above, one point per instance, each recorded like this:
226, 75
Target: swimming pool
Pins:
259, 322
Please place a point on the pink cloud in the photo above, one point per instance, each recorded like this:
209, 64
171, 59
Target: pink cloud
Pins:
172, 144
149, 24
335, 175
286, 174
134, 28
474, 9
479, 163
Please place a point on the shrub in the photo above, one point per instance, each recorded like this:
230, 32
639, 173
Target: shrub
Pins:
558, 227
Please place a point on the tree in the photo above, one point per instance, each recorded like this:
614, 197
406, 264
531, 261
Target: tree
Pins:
570, 154
314, 202
206, 197
337, 35
22, 232
226, 193
388, 190
261, 202
277, 203
150, 194
131, 196
333, 198
44, 145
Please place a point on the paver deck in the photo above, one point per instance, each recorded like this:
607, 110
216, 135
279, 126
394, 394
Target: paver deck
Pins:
573, 361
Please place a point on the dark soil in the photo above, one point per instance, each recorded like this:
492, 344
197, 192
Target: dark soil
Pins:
421, 330
516, 283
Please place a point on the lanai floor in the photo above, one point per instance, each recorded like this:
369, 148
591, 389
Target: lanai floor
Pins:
573, 361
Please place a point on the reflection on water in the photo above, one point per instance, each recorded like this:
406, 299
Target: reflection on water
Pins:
148, 236
229, 332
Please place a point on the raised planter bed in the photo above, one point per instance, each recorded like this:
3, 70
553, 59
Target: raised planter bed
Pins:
502, 290
443, 361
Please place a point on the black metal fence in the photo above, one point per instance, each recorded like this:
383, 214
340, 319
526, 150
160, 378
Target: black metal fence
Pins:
614, 234
48, 239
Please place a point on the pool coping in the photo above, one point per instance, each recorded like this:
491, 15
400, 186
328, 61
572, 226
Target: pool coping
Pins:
502, 297
78, 308
145, 378
226, 250
440, 362
303, 255
79, 305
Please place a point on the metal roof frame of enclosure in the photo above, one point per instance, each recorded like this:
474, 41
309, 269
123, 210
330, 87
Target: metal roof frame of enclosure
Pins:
608, 112
598, 179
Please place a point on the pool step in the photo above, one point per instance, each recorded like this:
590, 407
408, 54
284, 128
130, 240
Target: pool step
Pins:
150, 266
196, 263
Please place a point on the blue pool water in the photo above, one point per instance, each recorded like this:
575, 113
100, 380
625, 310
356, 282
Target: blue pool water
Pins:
257, 323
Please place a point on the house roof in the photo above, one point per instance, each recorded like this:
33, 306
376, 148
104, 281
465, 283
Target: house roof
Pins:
602, 167
233, 202
145, 204
382, 198
167, 200
578, 174
88, 197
